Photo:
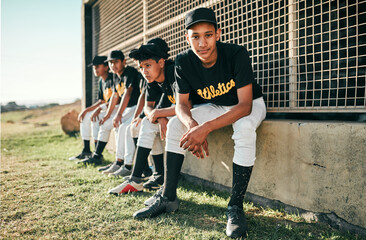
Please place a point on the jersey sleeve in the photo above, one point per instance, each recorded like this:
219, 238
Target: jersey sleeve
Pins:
142, 83
243, 72
181, 79
115, 82
100, 90
133, 79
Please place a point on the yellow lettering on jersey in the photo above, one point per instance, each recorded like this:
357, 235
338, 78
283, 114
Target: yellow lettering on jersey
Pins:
107, 94
171, 99
210, 91
120, 88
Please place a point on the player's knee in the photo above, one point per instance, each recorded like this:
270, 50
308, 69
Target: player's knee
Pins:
174, 124
245, 132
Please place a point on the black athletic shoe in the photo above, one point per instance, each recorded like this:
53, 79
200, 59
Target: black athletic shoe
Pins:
94, 159
153, 198
101, 169
155, 181
236, 223
82, 155
147, 173
161, 205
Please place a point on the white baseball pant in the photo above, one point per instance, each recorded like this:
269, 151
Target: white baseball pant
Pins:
130, 148
131, 132
106, 127
244, 130
121, 134
149, 137
87, 127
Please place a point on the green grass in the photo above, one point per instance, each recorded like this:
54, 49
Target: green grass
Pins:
44, 196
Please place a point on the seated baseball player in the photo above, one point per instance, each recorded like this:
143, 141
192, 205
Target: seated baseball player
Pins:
123, 102
90, 114
131, 135
159, 73
222, 75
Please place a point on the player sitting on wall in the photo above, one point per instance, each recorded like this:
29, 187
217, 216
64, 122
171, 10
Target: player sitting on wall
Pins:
222, 75
159, 73
120, 110
89, 116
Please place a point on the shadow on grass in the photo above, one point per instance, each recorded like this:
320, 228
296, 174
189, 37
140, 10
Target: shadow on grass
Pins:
210, 217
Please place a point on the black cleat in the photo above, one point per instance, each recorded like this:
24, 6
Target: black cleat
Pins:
101, 169
153, 198
161, 205
155, 181
236, 223
94, 159
81, 156
147, 173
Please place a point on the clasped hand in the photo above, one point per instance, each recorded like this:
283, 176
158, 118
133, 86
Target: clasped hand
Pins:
195, 140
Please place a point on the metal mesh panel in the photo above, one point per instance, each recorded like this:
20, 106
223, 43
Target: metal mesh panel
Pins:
115, 22
307, 56
331, 55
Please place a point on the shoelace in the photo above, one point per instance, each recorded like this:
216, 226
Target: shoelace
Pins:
157, 203
159, 192
233, 214
154, 177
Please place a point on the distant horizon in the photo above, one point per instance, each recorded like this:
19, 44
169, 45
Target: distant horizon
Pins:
33, 102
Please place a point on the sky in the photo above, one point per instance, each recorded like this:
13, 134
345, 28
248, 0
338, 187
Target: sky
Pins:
40, 51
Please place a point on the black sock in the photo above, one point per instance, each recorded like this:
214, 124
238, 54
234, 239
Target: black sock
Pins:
241, 177
86, 148
100, 148
140, 161
159, 163
135, 141
128, 166
147, 170
120, 162
173, 165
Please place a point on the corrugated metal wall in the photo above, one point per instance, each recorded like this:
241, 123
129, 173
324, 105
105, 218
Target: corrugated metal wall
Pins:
307, 55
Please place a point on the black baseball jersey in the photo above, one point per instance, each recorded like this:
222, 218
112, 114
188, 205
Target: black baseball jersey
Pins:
142, 83
219, 83
129, 78
164, 101
105, 88
155, 90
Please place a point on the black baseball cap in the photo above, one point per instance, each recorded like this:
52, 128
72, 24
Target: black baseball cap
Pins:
161, 43
114, 55
200, 15
97, 60
156, 47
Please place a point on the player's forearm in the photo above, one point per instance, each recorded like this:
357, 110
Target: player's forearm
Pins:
183, 112
94, 106
112, 104
166, 112
238, 111
140, 105
124, 102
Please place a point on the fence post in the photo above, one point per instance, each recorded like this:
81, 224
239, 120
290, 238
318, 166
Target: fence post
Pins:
292, 26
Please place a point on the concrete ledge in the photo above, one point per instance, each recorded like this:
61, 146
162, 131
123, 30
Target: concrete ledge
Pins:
331, 218
316, 166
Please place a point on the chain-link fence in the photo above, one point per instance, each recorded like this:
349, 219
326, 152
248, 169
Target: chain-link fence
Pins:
308, 56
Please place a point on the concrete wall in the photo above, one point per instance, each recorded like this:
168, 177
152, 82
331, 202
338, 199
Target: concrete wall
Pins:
316, 166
